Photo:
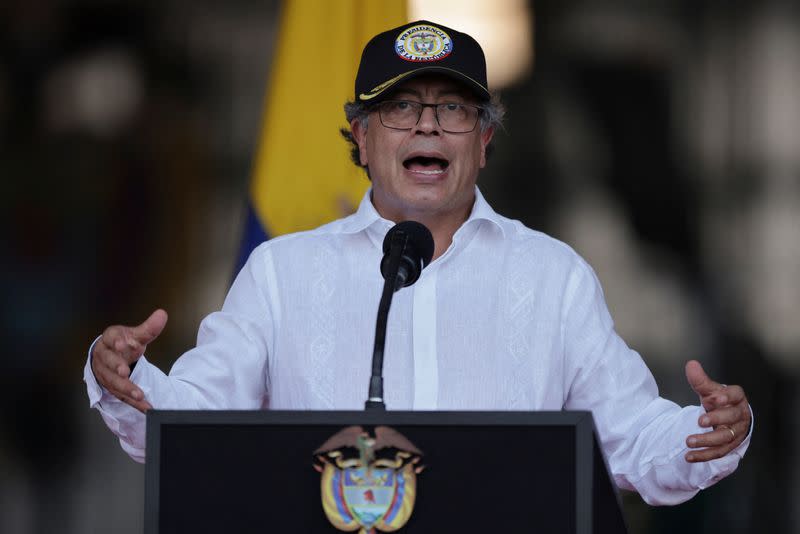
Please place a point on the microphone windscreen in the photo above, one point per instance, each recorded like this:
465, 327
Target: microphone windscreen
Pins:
420, 239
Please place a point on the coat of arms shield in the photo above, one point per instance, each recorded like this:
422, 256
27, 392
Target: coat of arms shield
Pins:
368, 483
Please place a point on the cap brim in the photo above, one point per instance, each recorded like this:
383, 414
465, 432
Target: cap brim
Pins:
381, 90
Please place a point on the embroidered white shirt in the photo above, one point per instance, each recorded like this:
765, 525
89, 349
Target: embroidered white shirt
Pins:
506, 319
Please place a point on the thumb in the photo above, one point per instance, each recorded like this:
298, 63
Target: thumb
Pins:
699, 380
151, 328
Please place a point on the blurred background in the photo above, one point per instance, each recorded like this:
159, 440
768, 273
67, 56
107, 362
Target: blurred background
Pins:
660, 139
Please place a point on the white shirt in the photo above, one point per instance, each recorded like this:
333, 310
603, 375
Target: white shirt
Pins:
506, 319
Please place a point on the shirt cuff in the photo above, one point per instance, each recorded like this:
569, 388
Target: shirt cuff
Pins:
722, 467
93, 387
98, 393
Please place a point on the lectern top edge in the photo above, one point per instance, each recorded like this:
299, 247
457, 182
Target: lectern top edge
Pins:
246, 417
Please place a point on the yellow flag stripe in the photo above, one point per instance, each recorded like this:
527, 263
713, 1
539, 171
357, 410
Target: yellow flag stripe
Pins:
302, 174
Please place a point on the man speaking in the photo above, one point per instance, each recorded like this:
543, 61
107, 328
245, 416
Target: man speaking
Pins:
503, 318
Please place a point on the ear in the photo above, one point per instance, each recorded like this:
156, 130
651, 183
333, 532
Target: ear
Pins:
360, 136
486, 137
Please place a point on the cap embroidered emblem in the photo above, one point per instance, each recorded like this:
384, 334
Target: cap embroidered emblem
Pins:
423, 43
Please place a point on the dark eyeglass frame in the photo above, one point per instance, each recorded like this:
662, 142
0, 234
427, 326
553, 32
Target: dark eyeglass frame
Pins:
422, 105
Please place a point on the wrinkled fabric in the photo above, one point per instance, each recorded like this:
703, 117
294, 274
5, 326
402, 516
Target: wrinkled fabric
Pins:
506, 319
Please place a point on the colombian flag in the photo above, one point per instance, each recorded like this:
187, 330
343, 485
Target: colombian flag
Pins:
302, 175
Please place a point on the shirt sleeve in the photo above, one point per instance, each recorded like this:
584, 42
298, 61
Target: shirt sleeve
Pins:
642, 434
226, 370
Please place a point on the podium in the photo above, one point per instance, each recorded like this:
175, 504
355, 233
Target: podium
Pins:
277, 471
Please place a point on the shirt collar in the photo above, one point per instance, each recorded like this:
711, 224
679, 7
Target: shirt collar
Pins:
482, 211
367, 217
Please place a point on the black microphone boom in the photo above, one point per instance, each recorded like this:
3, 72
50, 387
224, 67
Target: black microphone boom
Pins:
407, 249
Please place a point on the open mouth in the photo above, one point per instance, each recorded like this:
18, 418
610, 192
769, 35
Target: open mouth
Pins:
426, 164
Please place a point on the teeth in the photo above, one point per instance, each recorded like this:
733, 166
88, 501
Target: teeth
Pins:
439, 171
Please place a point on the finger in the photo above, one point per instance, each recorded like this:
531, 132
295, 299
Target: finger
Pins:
711, 453
123, 370
709, 404
699, 380
121, 341
110, 335
151, 328
716, 438
130, 342
730, 395
122, 387
105, 359
113, 360
721, 416
128, 346
727, 396
141, 405
718, 399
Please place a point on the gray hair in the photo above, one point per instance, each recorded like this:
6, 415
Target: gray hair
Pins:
492, 115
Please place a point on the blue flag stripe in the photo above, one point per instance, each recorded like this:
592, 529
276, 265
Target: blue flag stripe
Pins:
253, 234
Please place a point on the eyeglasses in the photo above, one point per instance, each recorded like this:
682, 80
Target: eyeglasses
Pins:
451, 116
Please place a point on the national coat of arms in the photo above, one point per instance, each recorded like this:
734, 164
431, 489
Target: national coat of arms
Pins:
423, 42
368, 483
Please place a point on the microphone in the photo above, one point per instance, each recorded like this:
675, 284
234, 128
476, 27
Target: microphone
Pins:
415, 248
407, 249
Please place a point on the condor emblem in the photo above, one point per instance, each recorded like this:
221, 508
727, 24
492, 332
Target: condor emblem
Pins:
368, 483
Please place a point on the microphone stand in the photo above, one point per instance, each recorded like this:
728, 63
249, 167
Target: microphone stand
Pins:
391, 283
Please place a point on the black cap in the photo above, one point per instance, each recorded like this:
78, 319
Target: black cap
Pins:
416, 48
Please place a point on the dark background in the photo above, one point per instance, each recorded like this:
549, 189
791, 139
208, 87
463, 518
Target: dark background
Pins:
660, 139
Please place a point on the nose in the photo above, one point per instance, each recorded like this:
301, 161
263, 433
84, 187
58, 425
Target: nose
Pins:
428, 123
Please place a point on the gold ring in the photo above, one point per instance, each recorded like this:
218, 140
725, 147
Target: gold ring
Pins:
729, 429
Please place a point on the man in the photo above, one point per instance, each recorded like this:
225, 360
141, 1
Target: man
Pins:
504, 318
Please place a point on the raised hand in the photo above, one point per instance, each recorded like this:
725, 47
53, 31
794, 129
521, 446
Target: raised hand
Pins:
117, 349
727, 412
